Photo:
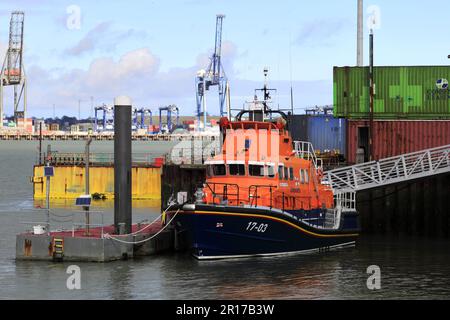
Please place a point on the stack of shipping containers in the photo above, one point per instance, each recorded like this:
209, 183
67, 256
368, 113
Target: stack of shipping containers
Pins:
322, 129
411, 109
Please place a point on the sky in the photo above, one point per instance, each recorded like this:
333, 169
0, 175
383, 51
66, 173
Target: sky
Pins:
152, 50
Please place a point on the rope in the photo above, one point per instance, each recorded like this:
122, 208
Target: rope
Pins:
147, 226
108, 236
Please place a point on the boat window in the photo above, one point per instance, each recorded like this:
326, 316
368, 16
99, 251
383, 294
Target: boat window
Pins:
280, 172
286, 173
217, 170
302, 176
237, 169
271, 171
256, 170
306, 176
209, 171
291, 173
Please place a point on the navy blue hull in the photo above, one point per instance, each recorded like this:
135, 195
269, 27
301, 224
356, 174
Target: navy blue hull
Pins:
218, 232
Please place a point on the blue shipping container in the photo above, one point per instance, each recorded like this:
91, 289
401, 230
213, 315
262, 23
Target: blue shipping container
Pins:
327, 133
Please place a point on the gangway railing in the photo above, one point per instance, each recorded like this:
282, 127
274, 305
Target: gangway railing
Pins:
389, 171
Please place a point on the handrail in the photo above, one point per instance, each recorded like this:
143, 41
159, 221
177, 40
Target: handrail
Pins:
305, 150
256, 187
390, 170
96, 158
225, 193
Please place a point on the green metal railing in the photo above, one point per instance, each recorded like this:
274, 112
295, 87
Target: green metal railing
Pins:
58, 158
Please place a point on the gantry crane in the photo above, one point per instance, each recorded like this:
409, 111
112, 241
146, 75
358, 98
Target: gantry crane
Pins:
169, 124
106, 110
142, 112
13, 72
214, 75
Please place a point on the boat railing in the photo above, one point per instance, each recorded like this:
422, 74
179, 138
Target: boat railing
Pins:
345, 201
305, 150
253, 195
223, 194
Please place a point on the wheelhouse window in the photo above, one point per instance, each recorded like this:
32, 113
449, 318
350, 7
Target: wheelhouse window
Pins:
286, 173
217, 170
271, 171
306, 176
256, 170
291, 173
237, 169
280, 172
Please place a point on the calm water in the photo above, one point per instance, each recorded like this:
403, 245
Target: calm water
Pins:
410, 268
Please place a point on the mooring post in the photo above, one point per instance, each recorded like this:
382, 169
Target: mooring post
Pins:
40, 143
87, 192
47, 196
122, 165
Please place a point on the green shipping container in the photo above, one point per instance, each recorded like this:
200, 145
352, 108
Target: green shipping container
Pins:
414, 93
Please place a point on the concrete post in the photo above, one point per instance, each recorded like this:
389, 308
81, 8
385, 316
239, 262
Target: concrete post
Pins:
360, 35
122, 165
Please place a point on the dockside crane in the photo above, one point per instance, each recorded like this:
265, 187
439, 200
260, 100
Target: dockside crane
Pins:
143, 112
169, 109
214, 75
106, 110
13, 71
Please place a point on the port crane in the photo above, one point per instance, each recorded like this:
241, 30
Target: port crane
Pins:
168, 127
106, 110
142, 112
214, 75
13, 72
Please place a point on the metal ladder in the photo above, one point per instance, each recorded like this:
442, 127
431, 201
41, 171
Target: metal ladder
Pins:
389, 171
305, 150
58, 248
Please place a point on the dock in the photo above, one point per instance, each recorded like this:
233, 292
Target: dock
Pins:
100, 244
80, 136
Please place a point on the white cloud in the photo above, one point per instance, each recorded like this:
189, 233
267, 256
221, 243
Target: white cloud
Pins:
103, 37
105, 72
89, 42
137, 74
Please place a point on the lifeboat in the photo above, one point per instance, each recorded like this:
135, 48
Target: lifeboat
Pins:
263, 195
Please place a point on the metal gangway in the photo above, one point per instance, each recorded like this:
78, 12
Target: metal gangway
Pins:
388, 171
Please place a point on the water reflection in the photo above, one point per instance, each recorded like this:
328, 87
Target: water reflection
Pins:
410, 269
120, 280
102, 204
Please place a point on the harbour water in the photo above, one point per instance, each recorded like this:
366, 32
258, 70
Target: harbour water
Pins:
411, 268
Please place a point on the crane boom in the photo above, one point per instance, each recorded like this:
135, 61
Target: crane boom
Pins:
216, 60
13, 72
214, 75
14, 54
